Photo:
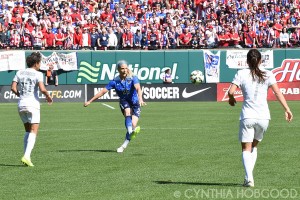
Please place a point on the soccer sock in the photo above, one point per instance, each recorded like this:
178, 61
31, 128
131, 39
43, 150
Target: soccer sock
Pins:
254, 157
125, 144
30, 144
25, 140
127, 137
128, 124
247, 162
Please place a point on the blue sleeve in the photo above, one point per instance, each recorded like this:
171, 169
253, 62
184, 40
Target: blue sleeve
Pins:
110, 85
135, 80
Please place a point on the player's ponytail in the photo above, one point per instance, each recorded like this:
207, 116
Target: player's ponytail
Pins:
254, 60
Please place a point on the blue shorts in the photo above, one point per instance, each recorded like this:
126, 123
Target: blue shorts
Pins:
136, 108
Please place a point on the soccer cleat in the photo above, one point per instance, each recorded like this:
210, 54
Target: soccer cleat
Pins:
120, 149
27, 162
135, 132
248, 183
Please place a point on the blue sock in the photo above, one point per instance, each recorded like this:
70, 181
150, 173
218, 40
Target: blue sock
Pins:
127, 137
128, 124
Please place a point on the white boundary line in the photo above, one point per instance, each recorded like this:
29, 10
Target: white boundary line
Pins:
108, 106
103, 129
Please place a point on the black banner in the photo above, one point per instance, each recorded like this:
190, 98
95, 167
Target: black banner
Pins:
164, 92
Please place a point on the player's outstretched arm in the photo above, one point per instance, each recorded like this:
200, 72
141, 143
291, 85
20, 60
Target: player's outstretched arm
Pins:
281, 99
231, 91
98, 95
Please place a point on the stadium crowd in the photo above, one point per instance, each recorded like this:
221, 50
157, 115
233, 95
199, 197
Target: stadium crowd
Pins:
151, 24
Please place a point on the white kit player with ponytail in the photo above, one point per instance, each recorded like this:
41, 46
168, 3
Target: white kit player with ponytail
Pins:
254, 118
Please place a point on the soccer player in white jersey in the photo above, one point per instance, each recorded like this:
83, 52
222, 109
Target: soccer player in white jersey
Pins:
255, 115
29, 81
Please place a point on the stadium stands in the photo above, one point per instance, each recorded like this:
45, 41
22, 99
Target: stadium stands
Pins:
152, 24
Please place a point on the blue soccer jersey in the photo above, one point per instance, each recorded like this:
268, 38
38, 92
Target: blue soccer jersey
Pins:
125, 88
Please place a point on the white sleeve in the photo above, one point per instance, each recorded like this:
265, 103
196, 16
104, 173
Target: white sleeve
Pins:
40, 77
16, 78
271, 79
237, 79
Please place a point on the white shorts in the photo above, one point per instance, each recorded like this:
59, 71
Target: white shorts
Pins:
251, 129
29, 114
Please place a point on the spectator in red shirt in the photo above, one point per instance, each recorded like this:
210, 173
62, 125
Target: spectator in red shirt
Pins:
16, 17
127, 38
185, 38
224, 39
107, 16
76, 16
49, 39
77, 38
59, 38
250, 38
277, 28
18, 8
89, 25
29, 25
234, 39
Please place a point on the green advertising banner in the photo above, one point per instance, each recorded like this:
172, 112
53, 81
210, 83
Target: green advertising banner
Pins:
98, 67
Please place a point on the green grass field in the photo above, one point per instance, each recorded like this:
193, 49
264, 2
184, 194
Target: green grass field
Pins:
185, 150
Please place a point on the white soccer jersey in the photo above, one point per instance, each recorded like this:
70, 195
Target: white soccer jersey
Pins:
255, 105
28, 80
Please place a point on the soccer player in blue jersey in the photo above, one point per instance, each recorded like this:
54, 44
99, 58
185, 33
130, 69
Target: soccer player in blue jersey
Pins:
128, 89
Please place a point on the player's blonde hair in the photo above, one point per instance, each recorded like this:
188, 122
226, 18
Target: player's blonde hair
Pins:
124, 62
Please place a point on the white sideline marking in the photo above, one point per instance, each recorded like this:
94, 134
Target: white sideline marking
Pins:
108, 106
103, 129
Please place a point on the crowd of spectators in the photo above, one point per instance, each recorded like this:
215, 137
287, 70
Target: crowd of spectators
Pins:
148, 24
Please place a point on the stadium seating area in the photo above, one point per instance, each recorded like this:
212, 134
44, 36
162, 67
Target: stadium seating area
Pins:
152, 24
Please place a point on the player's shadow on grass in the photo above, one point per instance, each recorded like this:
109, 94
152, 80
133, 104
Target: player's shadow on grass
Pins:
87, 150
9, 165
198, 183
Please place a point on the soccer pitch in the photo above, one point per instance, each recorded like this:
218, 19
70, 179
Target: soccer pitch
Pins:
185, 150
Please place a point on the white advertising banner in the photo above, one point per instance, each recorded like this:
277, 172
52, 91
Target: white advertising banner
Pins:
66, 62
12, 60
237, 59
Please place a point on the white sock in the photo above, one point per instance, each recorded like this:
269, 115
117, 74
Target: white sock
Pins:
126, 142
247, 162
25, 140
254, 157
30, 144
129, 129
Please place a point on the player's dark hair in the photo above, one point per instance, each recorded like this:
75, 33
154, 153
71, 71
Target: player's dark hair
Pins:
253, 60
33, 58
121, 62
